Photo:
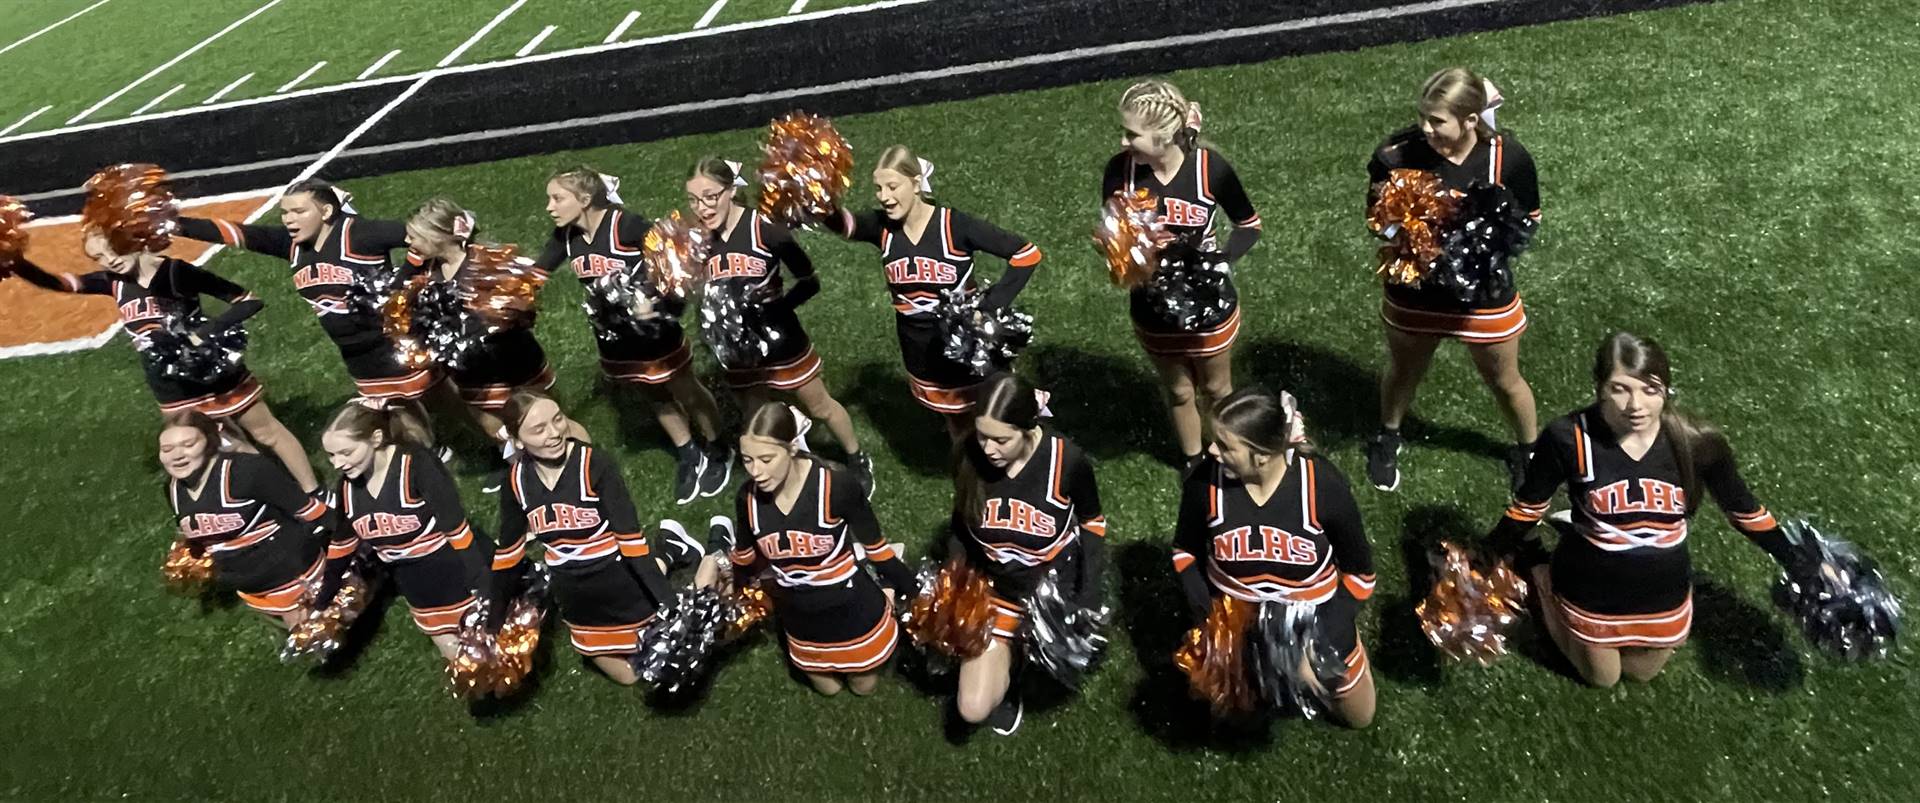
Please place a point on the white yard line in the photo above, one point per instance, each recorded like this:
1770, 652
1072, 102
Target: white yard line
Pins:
621, 29
482, 33
798, 6
157, 100
215, 97
302, 77
375, 67
36, 34
172, 61
712, 11
25, 120
631, 44
535, 41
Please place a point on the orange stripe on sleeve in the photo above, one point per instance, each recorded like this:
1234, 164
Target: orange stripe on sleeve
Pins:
1359, 585
1026, 257
632, 545
1181, 560
1096, 525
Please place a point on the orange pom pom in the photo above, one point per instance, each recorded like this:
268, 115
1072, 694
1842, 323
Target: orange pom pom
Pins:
1409, 211
1214, 657
807, 170
500, 287
1130, 235
186, 570
132, 205
1469, 611
13, 232
519, 638
675, 251
750, 606
953, 614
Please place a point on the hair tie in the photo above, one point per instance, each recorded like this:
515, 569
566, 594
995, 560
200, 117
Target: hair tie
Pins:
739, 180
612, 183
1296, 423
1193, 116
463, 226
1040, 398
1493, 101
925, 182
801, 423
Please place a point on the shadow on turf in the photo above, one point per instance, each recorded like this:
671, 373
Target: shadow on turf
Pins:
1401, 651
1742, 643
1341, 398
914, 435
1112, 406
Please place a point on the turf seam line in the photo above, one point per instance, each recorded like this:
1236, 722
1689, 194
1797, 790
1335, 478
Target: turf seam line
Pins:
172, 61
36, 34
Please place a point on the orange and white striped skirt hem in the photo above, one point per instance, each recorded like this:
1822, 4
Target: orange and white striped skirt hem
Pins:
1211, 342
789, 375
864, 653
284, 599
622, 639
648, 372
1662, 630
225, 404
1488, 325
445, 619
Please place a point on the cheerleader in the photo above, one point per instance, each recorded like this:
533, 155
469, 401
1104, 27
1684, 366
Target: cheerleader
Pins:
928, 249
1617, 593
246, 513
333, 253
1197, 188
570, 497
594, 235
441, 234
808, 527
1025, 503
748, 251
400, 503
1455, 140
1266, 520
160, 295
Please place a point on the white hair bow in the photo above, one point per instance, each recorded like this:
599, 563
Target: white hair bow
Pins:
1493, 102
925, 183
1040, 398
801, 423
1296, 423
613, 188
345, 199
739, 179
464, 224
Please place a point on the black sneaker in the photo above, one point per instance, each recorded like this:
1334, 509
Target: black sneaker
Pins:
682, 548
1006, 717
720, 531
862, 467
717, 472
1517, 459
445, 454
1383, 460
686, 478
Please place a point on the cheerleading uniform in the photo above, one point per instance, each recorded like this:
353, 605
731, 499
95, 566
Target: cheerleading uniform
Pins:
1047, 516
1305, 545
414, 523
1499, 160
173, 296
651, 358
917, 274
835, 617
1622, 577
605, 581
504, 362
1191, 205
250, 517
745, 264
331, 275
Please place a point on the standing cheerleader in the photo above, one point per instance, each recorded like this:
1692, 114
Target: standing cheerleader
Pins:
1265, 520
334, 254
159, 296
1197, 188
807, 526
1025, 503
247, 514
748, 251
928, 250
400, 503
594, 235
441, 233
1456, 141
1617, 593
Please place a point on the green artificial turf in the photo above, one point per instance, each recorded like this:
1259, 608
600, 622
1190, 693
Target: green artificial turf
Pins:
1729, 178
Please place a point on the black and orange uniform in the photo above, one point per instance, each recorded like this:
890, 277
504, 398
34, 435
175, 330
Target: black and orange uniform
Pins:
652, 357
264, 536
835, 616
603, 576
1046, 517
745, 263
1498, 160
506, 361
919, 272
1622, 577
415, 523
170, 301
327, 274
1305, 545
1202, 192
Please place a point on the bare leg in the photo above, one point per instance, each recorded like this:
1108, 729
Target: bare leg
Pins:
616, 668
864, 683
1213, 377
1177, 379
448, 645
1408, 358
826, 684
1597, 665
1643, 665
271, 435
983, 682
667, 410
696, 403
1499, 365
822, 406
1355, 706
